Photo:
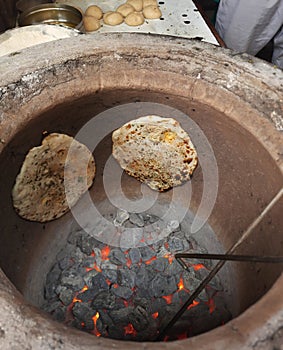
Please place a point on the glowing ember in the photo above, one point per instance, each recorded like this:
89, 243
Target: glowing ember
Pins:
95, 331
105, 251
193, 304
170, 258
168, 298
129, 329
155, 315
129, 262
182, 336
95, 267
181, 284
198, 267
211, 305
150, 260
84, 288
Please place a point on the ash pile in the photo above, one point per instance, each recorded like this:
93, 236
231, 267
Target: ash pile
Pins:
132, 293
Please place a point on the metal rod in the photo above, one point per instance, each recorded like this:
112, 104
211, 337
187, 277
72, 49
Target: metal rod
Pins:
229, 257
219, 265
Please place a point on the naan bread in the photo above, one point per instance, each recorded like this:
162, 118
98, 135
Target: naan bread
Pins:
156, 151
49, 174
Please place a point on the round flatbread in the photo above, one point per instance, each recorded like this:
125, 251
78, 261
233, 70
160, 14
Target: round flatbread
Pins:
53, 177
156, 151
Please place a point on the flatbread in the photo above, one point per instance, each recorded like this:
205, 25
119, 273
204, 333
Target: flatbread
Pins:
53, 177
156, 151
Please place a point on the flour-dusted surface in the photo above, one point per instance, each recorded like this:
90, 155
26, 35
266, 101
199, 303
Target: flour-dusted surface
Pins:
20, 38
179, 18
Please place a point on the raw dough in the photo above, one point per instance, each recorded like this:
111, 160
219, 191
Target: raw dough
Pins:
91, 23
149, 2
125, 9
113, 18
152, 12
134, 19
137, 4
94, 11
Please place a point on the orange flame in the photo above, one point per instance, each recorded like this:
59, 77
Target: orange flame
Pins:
193, 304
95, 331
181, 284
150, 260
105, 251
198, 267
168, 298
129, 329
155, 315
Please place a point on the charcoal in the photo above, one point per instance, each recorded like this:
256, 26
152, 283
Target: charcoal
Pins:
139, 318
110, 274
88, 294
105, 318
216, 284
66, 295
151, 218
77, 255
108, 265
143, 292
99, 282
86, 243
103, 300
142, 277
121, 217
143, 302
82, 311
146, 253
117, 257
159, 264
65, 263
88, 276
201, 274
162, 285
51, 305
174, 269
122, 292
190, 282
173, 225
131, 238
89, 261
126, 277
72, 280
59, 313
175, 244
135, 255
121, 316
136, 219
53, 275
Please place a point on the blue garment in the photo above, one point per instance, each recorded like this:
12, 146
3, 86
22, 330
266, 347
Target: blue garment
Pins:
248, 25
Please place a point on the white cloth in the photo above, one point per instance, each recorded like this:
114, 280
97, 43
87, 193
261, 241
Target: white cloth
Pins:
248, 25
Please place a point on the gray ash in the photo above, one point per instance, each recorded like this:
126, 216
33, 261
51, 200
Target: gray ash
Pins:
132, 293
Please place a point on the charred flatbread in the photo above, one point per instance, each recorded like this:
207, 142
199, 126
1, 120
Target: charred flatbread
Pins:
156, 151
52, 178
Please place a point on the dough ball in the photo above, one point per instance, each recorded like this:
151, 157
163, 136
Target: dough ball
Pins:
137, 4
91, 23
134, 19
149, 2
125, 9
113, 18
152, 12
94, 11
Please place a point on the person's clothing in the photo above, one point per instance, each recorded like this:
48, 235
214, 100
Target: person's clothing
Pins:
248, 25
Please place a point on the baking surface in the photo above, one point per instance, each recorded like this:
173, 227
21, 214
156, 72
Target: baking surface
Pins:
179, 18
